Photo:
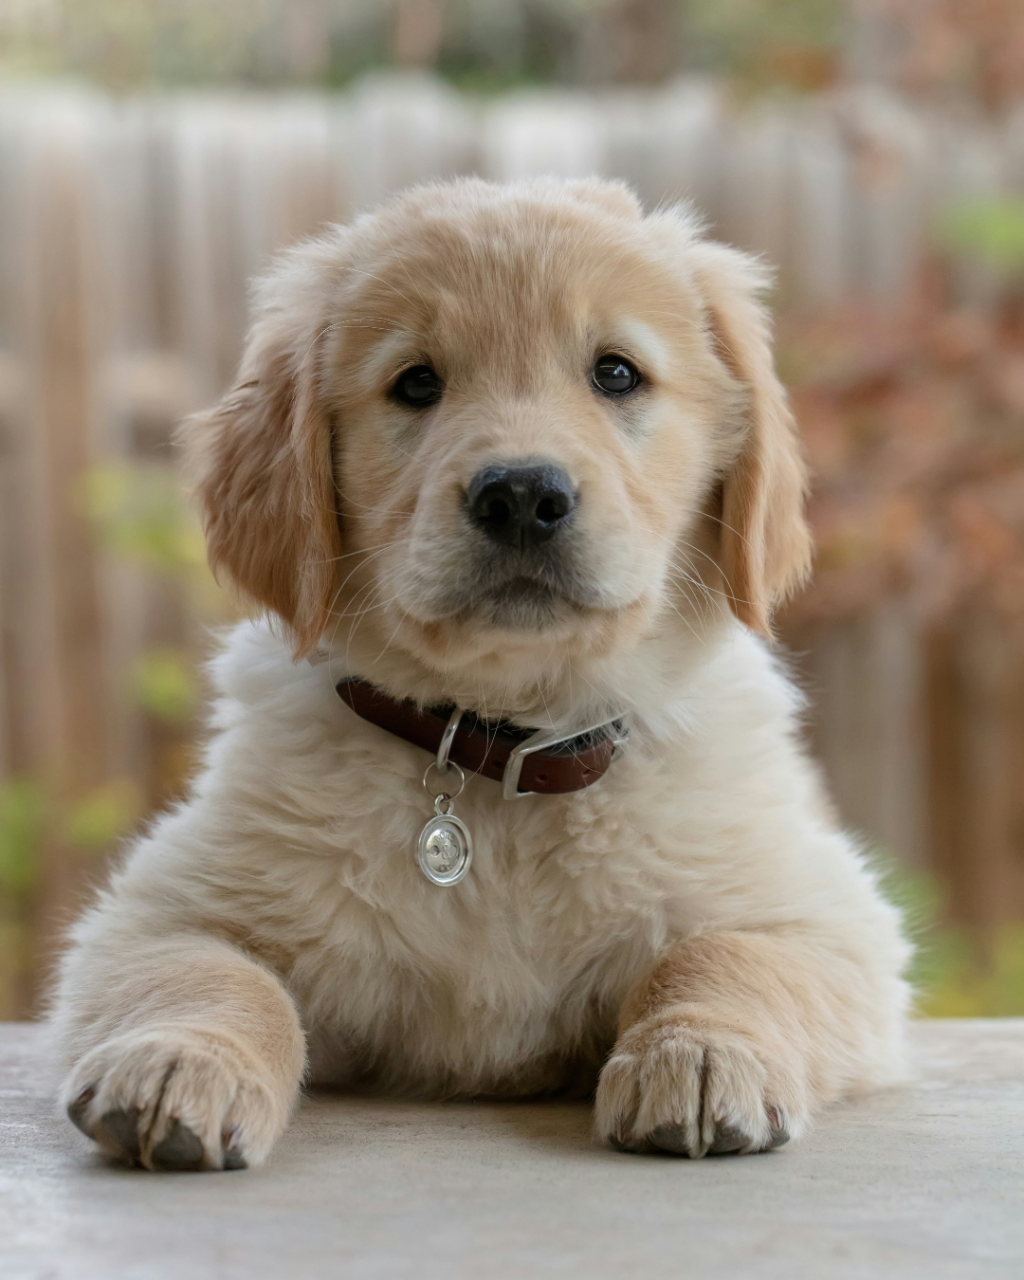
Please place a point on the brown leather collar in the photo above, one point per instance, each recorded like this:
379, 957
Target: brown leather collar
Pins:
523, 760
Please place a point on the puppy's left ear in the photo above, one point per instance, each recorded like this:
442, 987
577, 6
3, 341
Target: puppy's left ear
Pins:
765, 544
261, 461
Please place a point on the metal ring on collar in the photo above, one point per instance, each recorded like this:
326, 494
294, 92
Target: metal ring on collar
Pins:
447, 738
451, 795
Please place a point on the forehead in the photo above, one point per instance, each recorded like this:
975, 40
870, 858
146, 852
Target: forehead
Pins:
513, 275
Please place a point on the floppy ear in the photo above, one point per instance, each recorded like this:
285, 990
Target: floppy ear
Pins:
765, 544
260, 462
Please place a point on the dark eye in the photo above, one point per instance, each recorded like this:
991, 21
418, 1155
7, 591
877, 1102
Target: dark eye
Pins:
614, 375
419, 387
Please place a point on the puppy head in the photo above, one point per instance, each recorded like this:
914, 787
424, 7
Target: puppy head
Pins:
494, 428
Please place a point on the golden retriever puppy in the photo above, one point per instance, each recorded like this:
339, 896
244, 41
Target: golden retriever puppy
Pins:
511, 477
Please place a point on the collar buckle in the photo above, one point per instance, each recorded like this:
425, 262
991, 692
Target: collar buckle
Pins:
544, 738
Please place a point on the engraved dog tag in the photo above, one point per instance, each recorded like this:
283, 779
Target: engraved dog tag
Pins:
445, 848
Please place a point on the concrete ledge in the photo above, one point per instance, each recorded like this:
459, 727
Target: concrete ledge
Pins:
925, 1182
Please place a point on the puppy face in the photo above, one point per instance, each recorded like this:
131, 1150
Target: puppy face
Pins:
492, 428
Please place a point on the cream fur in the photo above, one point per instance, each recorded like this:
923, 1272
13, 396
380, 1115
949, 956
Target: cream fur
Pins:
697, 915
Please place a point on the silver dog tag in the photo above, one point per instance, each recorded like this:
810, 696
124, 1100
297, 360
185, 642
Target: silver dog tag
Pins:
444, 850
445, 847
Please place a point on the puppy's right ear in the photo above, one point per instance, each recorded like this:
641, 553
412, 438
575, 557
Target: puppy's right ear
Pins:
261, 460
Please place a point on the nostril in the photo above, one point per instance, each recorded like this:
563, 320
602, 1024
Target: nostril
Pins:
495, 511
552, 508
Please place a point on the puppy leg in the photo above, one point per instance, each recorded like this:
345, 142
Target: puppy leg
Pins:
184, 1054
734, 1039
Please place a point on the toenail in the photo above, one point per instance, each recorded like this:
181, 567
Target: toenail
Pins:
77, 1109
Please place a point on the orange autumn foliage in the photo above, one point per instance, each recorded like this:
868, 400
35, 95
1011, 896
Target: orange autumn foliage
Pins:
914, 428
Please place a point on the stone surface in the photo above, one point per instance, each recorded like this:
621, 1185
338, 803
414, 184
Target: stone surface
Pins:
924, 1182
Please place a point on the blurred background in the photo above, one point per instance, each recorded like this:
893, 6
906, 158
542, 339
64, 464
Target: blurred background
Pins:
153, 153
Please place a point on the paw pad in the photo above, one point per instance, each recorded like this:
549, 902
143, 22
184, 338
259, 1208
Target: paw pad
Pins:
179, 1148
123, 1127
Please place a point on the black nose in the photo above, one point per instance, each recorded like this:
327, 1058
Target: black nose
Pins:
520, 506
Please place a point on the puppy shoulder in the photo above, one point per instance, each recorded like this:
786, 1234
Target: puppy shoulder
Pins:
754, 679
254, 675
730, 685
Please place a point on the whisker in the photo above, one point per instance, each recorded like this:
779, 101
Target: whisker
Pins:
724, 525
383, 546
731, 594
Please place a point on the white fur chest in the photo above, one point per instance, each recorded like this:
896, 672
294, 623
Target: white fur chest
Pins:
559, 903
568, 901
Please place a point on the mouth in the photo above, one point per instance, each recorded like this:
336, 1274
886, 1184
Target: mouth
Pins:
546, 591
522, 604
520, 601
504, 610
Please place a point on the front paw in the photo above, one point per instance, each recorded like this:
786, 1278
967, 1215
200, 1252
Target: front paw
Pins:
680, 1085
175, 1098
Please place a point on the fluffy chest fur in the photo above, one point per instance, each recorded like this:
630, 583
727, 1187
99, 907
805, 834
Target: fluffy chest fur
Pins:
299, 843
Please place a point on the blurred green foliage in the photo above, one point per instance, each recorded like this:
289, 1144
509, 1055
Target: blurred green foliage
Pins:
942, 51
93, 821
482, 45
792, 44
963, 976
139, 513
163, 684
104, 816
21, 820
987, 228
22, 813
30, 816
957, 972
125, 42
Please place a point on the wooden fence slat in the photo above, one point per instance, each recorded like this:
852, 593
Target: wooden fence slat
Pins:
62, 340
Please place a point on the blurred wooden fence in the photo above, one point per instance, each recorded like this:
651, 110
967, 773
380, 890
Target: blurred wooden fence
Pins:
128, 231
